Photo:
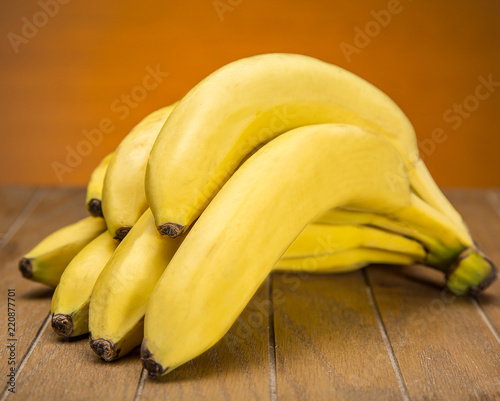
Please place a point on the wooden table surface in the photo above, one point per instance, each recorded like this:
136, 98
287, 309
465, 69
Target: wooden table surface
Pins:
384, 333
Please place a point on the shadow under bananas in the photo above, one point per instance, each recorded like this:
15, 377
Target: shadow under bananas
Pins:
244, 349
37, 293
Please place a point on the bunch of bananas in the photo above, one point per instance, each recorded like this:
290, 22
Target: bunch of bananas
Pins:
273, 162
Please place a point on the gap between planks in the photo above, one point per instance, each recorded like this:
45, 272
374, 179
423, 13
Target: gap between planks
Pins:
32, 203
273, 387
493, 199
486, 319
140, 385
34, 343
392, 357
18, 222
273, 391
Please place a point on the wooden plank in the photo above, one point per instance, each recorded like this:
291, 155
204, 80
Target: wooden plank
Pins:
57, 208
328, 342
13, 199
478, 209
236, 368
444, 348
70, 370
57, 369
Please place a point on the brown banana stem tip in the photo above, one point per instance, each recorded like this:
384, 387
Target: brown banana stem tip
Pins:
122, 232
26, 268
94, 207
62, 324
487, 281
154, 368
104, 348
171, 229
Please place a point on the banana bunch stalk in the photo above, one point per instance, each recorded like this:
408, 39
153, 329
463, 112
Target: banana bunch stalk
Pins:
277, 162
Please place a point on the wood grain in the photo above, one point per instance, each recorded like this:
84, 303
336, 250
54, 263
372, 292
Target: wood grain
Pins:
70, 370
480, 209
57, 208
236, 368
328, 342
444, 348
331, 337
12, 201
64, 77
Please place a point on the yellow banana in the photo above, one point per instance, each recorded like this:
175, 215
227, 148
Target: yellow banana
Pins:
471, 273
111, 336
344, 261
124, 197
46, 261
118, 302
94, 187
264, 206
70, 302
324, 239
387, 223
248, 102
419, 221
123, 288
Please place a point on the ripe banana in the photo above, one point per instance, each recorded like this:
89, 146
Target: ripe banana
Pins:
324, 239
46, 262
264, 206
123, 288
455, 254
248, 102
118, 302
344, 261
419, 221
70, 302
124, 197
94, 187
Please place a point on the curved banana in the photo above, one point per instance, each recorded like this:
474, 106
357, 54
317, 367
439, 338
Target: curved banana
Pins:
344, 261
119, 298
46, 262
248, 102
123, 288
70, 302
418, 221
249, 225
124, 197
94, 187
325, 239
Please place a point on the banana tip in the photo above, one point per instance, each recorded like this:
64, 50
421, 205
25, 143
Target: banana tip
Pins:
26, 268
154, 368
94, 207
122, 232
472, 272
62, 324
171, 229
104, 348
490, 278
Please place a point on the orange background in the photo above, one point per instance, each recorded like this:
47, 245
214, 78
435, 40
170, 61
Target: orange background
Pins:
68, 73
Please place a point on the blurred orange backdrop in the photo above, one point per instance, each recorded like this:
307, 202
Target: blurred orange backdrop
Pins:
72, 67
